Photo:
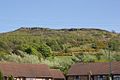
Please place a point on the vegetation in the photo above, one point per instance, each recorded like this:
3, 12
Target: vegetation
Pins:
59, 48
1, 76
10, 77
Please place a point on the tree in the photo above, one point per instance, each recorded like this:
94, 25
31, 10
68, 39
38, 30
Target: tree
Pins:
53, 44
94, 46
1, 76
10, 77
28, 50
113, 45
45, 50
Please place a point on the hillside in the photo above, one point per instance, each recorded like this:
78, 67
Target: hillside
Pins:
36, 44
59, 40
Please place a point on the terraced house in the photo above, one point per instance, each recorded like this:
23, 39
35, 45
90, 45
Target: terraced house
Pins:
94, 71
30, 72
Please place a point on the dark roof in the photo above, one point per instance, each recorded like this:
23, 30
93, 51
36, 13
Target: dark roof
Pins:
25, 70
57, 74
94, 68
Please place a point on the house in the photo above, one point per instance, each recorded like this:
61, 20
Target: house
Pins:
27, 71
94, 71
57, 74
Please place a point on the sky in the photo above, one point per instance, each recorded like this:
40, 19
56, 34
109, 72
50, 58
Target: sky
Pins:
57, 14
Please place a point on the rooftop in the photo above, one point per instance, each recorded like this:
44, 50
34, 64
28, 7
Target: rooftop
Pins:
25, 70
94, 68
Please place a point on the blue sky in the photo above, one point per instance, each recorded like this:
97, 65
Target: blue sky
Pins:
104, 14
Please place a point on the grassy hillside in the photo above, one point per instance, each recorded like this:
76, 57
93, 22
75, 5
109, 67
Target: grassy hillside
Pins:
59, 41
50, 46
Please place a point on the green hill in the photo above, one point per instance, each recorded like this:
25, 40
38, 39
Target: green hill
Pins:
36, 44
59, 41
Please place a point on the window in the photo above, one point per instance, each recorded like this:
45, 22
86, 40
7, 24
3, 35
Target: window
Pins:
101, 77
117, 77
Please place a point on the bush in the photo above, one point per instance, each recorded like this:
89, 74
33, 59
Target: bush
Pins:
105, 57
29, 50
45, 50
24, 59
89, 58
117, 57
114, 45
13, 58
2, 54
30, 59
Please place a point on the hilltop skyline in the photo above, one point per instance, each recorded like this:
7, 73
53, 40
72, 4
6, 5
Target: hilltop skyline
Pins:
2, 30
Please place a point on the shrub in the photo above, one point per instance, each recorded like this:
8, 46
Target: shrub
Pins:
29, 50
89, 58
45, 50
117, 57
12, 58
30, 59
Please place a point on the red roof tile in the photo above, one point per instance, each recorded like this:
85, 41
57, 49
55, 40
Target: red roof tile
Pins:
57, 74
94, 68
25, 70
